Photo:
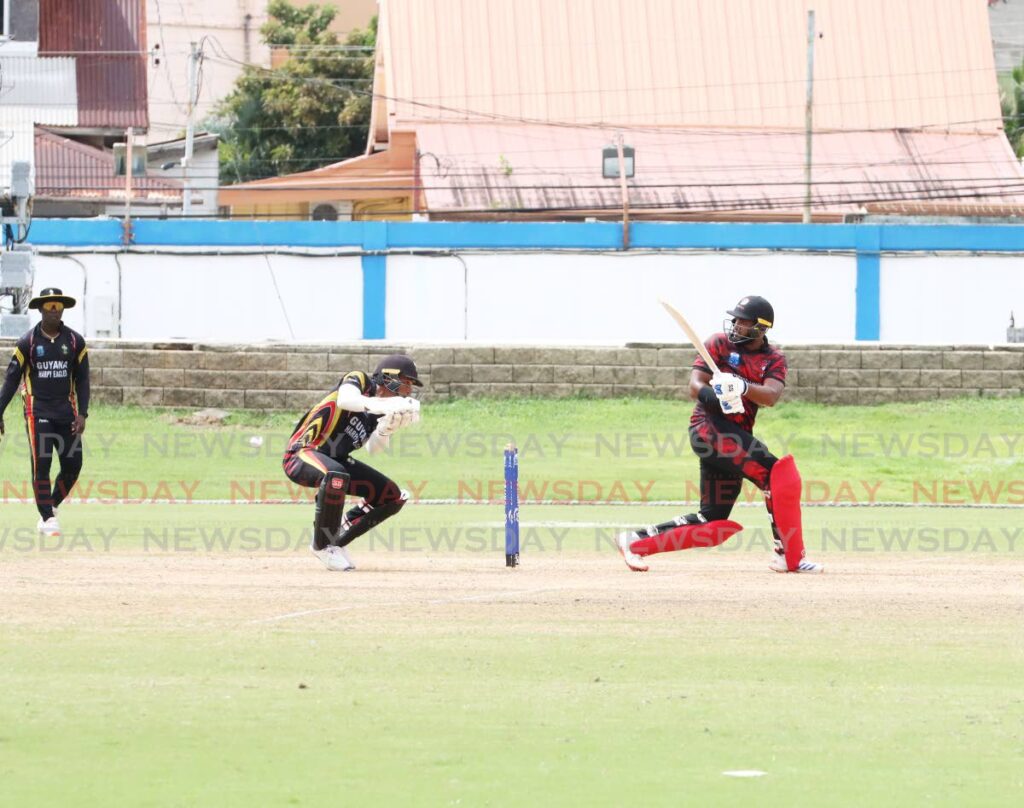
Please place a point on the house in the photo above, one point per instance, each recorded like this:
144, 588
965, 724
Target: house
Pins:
199, 174
503, 108
73, 79
228, 37
76, 180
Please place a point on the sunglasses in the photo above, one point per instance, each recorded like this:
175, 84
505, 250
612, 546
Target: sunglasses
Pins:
53, 306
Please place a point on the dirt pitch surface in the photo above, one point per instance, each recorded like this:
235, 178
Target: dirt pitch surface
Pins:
247, 592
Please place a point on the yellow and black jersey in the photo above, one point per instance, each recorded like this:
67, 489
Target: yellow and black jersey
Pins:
328, 428
53, 374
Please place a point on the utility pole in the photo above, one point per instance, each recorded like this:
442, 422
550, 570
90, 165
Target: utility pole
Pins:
625, 193
186, 163
128, 136
810, 114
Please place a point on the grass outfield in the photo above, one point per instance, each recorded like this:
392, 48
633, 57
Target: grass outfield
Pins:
953, 451
190, 654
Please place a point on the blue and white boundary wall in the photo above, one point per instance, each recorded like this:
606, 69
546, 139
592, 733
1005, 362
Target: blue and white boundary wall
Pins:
568, 283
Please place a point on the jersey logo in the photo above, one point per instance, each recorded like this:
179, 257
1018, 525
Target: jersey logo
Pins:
40, 351
734, 360
64, 349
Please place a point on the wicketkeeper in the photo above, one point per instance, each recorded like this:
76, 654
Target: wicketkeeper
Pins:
364, 411
721, 436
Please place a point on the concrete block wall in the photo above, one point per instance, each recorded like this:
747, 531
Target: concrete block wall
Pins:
292, 377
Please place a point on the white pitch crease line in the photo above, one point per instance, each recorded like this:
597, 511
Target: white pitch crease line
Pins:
442, 601
616, 525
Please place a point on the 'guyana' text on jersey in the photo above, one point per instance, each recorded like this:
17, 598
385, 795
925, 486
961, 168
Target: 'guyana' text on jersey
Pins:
54, 373
328, 428
753, 365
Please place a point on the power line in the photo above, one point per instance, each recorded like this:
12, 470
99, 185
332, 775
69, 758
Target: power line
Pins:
46, 179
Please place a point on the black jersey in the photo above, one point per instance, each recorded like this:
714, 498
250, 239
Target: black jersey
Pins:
753, 365
53, 374
328, 428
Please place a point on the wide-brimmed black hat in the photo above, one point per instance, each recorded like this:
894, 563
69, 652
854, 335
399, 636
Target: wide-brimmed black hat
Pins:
51, 295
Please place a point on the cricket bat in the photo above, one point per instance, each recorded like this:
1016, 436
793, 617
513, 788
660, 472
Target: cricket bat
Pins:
698, 343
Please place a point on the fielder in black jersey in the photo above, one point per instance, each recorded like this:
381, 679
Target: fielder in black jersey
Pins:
51, 365
364, 411
749, 374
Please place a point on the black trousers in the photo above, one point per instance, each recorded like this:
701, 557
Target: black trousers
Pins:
308, 468
47, 438
728, 456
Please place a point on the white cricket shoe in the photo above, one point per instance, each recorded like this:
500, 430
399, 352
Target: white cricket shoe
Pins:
343, 551
778, 564
49, 527
334, 558
633, 561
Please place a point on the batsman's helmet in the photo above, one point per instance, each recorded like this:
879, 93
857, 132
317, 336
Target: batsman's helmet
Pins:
753, 308
393, 369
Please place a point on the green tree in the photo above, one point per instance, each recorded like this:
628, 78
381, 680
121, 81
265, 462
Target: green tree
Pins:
1012, 99
312, 110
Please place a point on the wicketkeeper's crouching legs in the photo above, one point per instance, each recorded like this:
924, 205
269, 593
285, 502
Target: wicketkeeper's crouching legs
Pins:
313, 469
382, 499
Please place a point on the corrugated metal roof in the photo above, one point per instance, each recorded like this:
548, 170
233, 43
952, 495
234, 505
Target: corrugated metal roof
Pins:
68, 169
109, 40
481, 169
879, 64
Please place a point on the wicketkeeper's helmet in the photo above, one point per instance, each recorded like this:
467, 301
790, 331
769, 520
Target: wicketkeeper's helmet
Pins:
395, 369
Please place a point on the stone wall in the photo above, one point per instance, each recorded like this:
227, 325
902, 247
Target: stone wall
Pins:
278, 376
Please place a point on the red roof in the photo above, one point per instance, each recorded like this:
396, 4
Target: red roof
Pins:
480, 169
68, 169
108, 40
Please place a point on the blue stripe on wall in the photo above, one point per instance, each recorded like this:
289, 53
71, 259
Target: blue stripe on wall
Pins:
375, 283
869, 313
528, 235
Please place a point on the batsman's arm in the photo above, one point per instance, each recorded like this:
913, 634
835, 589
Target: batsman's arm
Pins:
764, 395
700, 390
767, 394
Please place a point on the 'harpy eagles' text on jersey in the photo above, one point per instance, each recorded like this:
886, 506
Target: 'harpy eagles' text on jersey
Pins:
755, 366
55, 373
328, 428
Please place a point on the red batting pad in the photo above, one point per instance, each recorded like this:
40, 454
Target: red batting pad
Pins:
784, 487
709, 534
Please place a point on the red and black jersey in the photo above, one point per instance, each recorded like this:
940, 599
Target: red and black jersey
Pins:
754, 365
328, 428
53, 374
